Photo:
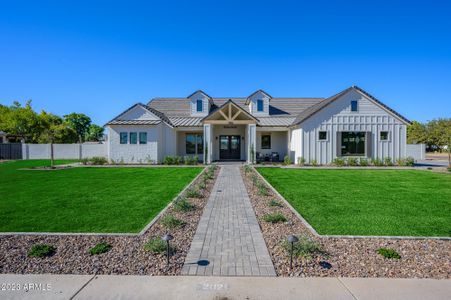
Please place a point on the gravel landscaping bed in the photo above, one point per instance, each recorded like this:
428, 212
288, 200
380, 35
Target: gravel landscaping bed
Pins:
127, 255
344, 257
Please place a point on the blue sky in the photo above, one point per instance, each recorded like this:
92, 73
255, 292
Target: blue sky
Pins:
101, 58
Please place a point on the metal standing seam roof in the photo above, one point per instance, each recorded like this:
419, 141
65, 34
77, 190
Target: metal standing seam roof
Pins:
134, 122
276, 122
186, 121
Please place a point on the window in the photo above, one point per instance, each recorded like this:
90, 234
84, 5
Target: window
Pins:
133, 138
143, 137
260, 105
199, 105
352, 143
266, 142
194, 143
353, 105
322, 135
384, 135
123, 137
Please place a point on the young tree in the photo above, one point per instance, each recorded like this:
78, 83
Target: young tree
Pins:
80, 123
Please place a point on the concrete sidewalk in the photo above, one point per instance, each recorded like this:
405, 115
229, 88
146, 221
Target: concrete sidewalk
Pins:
199, 288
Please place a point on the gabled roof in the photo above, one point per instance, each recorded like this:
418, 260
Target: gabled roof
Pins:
230, 101
162, 118
256, 92
316, 108
200, 91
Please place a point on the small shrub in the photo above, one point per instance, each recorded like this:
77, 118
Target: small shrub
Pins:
352, 161
389, 253
400, 162
275, 203
178, 160
410, 161
388, 161
100, 248
274, 218
305, 247
41, 250
84, 161
171, 222
301, 161
193, 193
314, 163
98, 160
363, 162
202, 185
183, 205
262, 190
254, 179
157, 245
377, 162
339, 162
168, 160
286, 160
247, 169
449, 169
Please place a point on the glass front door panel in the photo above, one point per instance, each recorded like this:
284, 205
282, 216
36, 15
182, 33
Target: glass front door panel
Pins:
353, 143
229, 147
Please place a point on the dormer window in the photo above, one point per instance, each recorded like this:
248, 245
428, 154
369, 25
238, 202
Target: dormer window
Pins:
260, 105
199, 105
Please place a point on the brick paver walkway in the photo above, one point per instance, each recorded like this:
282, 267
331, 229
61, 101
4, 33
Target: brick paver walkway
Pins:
228, 240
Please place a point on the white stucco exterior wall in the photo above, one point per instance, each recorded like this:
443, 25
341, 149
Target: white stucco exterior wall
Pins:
135, 153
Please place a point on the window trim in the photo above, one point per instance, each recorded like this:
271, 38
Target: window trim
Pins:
365, 152
130, 137
356, 106
196, 143
201, 105
261, 142
263, 105
323, 140
388, 135
139, 137
126, 137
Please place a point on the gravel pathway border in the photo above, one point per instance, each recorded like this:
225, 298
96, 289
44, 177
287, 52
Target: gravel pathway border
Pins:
126, 257
342, 256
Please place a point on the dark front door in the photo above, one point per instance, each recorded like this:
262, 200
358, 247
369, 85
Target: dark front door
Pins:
229, 147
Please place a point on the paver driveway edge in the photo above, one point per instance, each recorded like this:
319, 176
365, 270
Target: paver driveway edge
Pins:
228, 239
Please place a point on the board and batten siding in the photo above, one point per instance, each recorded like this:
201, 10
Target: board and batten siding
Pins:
338, 117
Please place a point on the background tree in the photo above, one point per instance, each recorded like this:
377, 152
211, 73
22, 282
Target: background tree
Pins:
95, 133
20, 121
416, 133
55, 130
80, 123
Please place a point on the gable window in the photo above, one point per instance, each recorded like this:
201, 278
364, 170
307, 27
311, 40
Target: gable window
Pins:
260, 105
143, 138
266, 142
353, 143
133, 138
354, 105
322, 135
384, 135
194, 143
199, 105
123, 137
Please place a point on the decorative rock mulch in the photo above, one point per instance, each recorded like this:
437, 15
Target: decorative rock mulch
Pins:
126, 257
347, 257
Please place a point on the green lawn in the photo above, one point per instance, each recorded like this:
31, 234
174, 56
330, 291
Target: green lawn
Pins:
85, 199
368, 202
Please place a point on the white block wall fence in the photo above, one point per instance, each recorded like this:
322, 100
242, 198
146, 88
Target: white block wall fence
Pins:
63, 151
417, 151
